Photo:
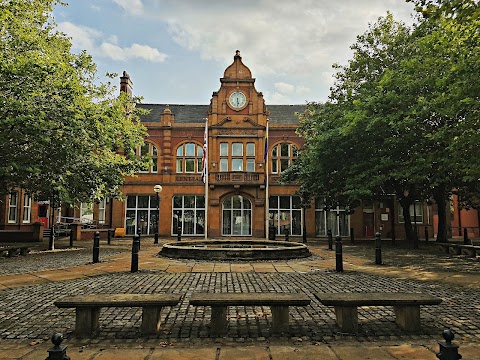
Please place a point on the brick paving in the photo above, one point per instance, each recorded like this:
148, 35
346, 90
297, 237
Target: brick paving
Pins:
27, 313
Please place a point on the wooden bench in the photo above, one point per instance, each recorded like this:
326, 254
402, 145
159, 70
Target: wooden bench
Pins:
278, 302
406, 307
14, 250
88, 309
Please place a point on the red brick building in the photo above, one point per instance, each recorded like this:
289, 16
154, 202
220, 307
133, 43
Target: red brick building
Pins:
233, 202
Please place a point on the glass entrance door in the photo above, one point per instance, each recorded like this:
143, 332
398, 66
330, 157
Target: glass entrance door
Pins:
237, 216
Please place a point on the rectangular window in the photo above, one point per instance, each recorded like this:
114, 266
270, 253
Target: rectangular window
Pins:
223, 164
179, 165
12, 207
274, 166
189, 213
250, 165
86, 213
141, 215
334, 219
27, 208
189, 165
101, 211
250, 149
286, 214
223, 149
418, 211
237, 164
237, 149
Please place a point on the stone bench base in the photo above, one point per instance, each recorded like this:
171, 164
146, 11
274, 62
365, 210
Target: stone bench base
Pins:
406, 307
459, 249
88, 309
14, 250
279, 304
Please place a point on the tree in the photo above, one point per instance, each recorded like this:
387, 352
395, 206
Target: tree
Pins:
346, 157
62, 135
398, 118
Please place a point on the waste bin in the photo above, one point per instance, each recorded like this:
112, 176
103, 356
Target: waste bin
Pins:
272, 230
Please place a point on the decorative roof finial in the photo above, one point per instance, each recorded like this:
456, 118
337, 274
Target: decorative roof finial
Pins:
237, 53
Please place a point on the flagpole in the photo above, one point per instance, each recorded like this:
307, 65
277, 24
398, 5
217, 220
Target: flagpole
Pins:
205, 169
267, 207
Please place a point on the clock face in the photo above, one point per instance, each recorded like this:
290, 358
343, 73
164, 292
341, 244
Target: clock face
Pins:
237, 100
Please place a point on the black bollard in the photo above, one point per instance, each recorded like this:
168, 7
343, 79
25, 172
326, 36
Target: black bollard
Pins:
426, 234
338, 254
109, 236
51, 239
330, 240
466, 240
352, 236
285, 232
57, 352
96, 247
71, 237
139, 232
179, 233
135, 250
378, 249
448, 351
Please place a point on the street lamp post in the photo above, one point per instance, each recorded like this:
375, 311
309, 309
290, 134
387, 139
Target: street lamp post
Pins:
158, 189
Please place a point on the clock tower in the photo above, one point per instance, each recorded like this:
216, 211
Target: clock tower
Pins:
237, 100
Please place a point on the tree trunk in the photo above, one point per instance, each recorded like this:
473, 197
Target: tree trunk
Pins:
440, 199
405, 203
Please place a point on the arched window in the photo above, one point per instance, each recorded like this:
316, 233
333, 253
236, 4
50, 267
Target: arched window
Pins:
150, 150
189, 158
283, 156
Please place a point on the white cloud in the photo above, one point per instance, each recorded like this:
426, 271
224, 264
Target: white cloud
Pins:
82, 37
278, 36
134, 7
85, 38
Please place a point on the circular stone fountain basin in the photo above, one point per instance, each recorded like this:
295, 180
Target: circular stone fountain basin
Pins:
234, 250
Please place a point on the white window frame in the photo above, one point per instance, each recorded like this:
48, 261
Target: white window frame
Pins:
325, 217
13, 208
277, 214
418, 210
153, 153
196, 209
85, 208
27, 209
102, 204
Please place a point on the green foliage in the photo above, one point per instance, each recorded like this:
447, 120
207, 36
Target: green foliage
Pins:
402, 116
61, 134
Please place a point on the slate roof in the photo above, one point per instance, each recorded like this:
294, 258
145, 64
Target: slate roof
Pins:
196, 114
184, 114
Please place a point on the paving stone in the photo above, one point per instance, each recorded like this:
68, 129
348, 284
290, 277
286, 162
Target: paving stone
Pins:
321, 351
169, 353
411, 352
243, 353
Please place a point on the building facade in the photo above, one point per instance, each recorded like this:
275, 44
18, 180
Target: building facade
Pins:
248, 144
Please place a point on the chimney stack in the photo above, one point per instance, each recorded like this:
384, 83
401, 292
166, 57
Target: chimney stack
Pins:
126, 85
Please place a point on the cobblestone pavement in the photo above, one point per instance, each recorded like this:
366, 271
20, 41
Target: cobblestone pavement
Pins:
27, 313
44, 260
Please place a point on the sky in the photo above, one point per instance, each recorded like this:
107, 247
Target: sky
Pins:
176, 51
